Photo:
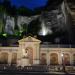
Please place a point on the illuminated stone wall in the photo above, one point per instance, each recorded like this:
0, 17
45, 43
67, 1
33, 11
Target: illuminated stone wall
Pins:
68, 54
32, 52
8, 55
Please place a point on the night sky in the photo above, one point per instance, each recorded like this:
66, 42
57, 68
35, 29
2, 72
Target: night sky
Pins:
31, 4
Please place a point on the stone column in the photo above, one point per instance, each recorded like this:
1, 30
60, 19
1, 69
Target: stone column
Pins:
48, 58
71, 58
37, 57
60, 58
19, 55
9, 58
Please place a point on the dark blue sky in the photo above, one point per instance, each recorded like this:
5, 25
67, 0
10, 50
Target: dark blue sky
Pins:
29, 3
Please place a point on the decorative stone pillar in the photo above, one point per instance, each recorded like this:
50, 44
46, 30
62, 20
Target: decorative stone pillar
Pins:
9, 58
60, 58
71, 58
48, 58
37, 57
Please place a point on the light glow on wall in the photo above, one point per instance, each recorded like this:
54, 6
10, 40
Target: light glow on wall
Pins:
44, 30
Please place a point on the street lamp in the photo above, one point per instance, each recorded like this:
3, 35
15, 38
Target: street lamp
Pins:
62, 55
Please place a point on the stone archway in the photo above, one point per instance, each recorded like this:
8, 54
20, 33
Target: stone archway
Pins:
43, 59
29, 51
30, 54
14, 58
4, 58
66, 59
54, 59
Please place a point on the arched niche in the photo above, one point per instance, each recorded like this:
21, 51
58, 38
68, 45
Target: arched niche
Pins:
66, 59
4, 58
14, 58
43, 60
54, 59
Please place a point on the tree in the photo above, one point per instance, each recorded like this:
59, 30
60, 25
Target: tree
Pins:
34, 27
24, 11
16, 30
38, 10
53, 4
13, 11
24, 29
7, 5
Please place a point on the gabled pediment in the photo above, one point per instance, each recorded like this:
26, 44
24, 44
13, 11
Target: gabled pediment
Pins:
29, 39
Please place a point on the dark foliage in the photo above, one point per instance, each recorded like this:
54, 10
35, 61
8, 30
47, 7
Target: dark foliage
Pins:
53, 4
34, 27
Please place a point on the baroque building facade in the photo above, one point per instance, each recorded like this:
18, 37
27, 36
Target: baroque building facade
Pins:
31, 52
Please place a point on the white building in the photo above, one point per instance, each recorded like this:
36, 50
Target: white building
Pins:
31, 52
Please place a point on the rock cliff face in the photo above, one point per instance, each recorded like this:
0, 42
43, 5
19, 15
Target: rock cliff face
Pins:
71, 10
53, 4
8, 23
53, 23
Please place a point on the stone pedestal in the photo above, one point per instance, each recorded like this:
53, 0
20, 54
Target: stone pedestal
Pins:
24, 62
36, 61
18, 62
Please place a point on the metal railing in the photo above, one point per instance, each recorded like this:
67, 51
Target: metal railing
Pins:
57, 46
36, 68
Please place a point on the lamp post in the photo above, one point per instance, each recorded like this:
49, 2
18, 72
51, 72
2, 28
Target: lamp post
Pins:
63, 64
